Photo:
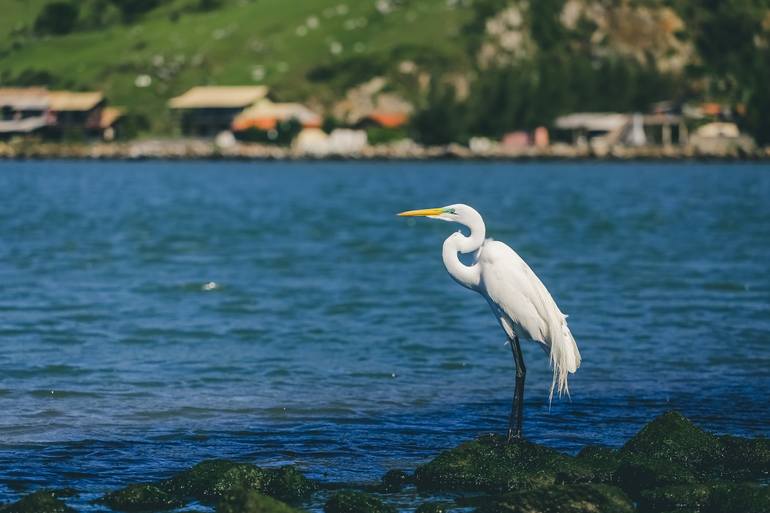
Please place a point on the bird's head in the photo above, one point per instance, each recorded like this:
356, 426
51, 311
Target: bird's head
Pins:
458, 213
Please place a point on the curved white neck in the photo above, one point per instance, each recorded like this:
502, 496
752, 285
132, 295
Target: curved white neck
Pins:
466, 275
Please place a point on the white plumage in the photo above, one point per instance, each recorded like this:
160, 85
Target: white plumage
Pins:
519, 300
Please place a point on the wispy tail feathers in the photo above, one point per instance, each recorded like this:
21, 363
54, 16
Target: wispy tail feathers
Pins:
565, 357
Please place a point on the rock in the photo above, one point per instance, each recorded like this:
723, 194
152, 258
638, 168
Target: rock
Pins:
581, 498
287, 484
490, 464
671, 450
707, 498
42, 501
394, 480
602, 461
635, 475
249, 501
356, 502
141, 497
211, 479
686, 498
743, 497
674, 439
744, 457
433, 507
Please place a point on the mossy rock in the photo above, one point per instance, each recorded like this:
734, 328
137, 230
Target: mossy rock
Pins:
637, 474
287, 484
141, 497
490, 464
668, 499
602, 461
745, 458
42, 501
210, 480
743, 497
433, 507
707, 498
356, 502
674, 439
394, 480
249, 501
580, 498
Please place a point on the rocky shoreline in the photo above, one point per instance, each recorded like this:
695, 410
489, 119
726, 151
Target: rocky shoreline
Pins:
185, 149
670, 466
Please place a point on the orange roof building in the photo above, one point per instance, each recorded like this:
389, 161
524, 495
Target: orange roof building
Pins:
265, 115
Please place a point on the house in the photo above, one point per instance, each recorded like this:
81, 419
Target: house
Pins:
604, 130
381, 119
208, 110
23, 111
266, 115
109, 122
76, 112
721, 138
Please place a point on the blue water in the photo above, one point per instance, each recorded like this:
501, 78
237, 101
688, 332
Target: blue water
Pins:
156, 314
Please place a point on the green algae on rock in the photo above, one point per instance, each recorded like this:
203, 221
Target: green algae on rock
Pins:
394, 480
141, 497
580, 498
672, 450
356, 502
492, 465
707, 498
433, 507
249, 501
42, 501
210, 480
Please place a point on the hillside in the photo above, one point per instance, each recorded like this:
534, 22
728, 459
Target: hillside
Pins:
470, 66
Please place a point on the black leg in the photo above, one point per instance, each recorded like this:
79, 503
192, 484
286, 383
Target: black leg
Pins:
517, 406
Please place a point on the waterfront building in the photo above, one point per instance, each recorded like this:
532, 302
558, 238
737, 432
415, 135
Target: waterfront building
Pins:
208, 110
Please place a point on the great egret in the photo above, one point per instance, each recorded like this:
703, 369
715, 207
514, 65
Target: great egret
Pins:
518, 298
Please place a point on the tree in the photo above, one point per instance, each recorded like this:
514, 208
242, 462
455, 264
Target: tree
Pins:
56, 18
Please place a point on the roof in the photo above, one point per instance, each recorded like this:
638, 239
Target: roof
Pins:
592, 121
61, 101
109, 116
389, 119
266, 114
27, 98
218, 97
716, 129
25, 125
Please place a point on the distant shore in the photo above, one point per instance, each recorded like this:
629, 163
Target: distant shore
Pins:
185, 149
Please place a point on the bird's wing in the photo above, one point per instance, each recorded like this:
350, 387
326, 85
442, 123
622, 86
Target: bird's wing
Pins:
515, 289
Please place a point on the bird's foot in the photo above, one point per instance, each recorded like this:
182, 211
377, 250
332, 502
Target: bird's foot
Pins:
514, 437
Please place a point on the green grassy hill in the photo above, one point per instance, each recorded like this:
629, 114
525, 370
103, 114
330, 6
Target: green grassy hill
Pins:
275, 42
475, 66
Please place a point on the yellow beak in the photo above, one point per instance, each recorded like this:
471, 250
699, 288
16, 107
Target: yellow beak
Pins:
424, 212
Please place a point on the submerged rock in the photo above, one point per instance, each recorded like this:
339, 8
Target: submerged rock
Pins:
141, 497
490, 464
581, 498
249, 501
42, 501
394, 480
356, 502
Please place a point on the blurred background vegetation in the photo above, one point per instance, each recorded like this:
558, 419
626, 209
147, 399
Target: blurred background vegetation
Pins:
469, 67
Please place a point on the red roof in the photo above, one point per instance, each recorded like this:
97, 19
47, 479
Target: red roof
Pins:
389, 119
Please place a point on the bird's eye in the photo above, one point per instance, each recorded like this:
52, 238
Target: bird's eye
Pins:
452, 211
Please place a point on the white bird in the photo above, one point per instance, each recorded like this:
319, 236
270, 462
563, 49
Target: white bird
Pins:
518, 298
